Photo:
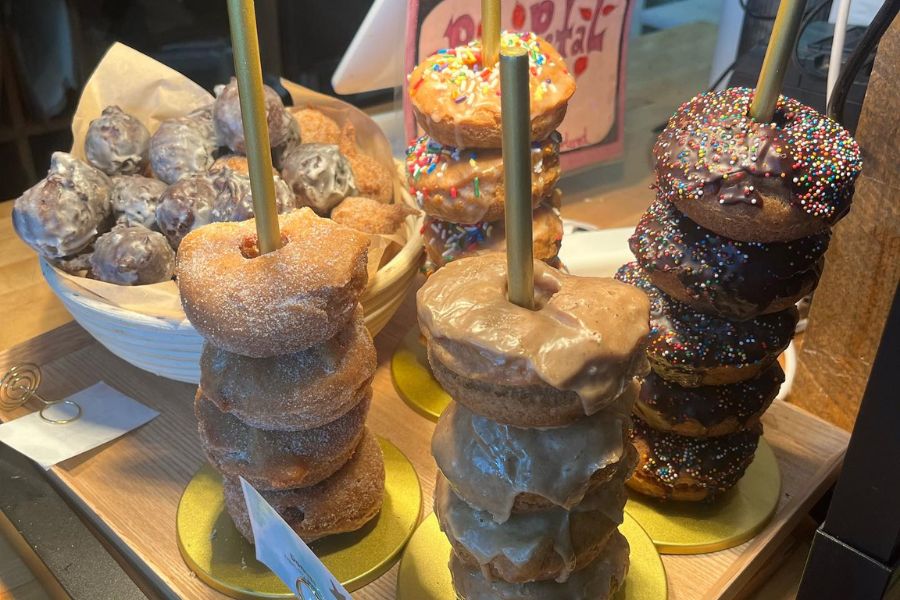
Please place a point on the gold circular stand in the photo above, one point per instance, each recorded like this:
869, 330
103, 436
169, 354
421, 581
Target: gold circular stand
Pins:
413, 379
424, 574
223, 559
734, 518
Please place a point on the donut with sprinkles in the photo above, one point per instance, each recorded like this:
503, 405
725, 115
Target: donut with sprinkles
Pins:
456, 99
715, 274
751, 181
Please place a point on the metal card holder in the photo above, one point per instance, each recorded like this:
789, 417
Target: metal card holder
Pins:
20, 384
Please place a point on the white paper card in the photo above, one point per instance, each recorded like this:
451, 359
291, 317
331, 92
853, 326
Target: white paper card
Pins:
281, 549
106, 414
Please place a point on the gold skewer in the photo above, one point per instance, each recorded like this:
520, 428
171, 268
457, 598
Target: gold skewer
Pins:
781, 44
490, 32
245, 45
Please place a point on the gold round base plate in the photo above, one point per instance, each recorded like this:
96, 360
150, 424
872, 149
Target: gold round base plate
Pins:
424, 572
224, 560
413, 379
699, 527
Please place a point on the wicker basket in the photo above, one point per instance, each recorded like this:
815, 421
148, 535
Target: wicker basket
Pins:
171, 347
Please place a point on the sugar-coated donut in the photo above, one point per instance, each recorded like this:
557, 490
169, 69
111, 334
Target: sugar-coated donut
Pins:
572, 356
373, 179
445, 241
466, 186
694, 349
371, 216
117, 143
505, 470
230, 177
303, 390
344, 502
134, 200
316, 127
675, 467
226, 111
184, 206
319, 175
132, 255
278, 460
707, 411
184, 145
457, 101
750, 181
229, 291
598, 580
712, 273
533, 546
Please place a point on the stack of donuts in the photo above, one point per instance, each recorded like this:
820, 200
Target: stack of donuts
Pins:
533, 452
286, 370
735, 238
455, 170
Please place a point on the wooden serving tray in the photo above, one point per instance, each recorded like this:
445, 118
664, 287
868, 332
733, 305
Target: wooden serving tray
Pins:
129, 489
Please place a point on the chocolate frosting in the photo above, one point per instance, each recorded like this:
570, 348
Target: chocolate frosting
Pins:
740, 280
587, 334
489, 464
521, 538
712, 146
597, 581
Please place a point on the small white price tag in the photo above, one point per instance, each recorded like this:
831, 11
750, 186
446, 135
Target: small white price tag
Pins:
281, 549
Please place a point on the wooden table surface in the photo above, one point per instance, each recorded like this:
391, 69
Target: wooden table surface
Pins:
665, 69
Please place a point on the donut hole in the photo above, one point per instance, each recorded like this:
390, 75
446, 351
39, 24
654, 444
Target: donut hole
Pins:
249, 245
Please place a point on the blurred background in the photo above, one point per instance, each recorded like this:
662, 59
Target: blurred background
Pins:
48, 49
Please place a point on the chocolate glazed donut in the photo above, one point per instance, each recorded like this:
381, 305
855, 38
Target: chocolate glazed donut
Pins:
694, 349
714, 274
751, 181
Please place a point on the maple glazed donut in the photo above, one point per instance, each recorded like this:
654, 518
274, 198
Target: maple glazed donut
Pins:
466, 186
533, 546
277, 460
506, 470
303, 390
343, 502
276, 303
597, 581
693, 349
707, 411
712, 273
676, 467
573, 356
457, 101
750, 181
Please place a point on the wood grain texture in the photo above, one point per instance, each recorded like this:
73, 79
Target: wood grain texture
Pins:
129, 489
862, 271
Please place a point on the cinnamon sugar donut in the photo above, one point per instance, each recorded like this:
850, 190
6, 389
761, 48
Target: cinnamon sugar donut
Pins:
457, 101
707, 411
505, 470
757, 182
303, 390
445, 241
373, 180
694, 349
229, 291
714, 274
534, 546
344, 502
466, 186
278, 460
692, 469
371, 216
572, 356
599, 580
316, 127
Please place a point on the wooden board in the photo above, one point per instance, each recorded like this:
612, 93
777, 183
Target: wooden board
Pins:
129, 488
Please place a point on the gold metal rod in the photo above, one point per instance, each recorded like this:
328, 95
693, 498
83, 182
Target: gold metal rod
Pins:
781, 44
515, 109
245, 45
490, 32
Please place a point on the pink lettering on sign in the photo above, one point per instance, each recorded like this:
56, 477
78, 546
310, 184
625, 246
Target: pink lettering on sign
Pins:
587, 33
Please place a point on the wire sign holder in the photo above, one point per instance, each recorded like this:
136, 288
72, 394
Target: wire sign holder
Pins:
20, 384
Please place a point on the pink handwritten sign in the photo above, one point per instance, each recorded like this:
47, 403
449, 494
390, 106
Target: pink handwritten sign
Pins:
589, 34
